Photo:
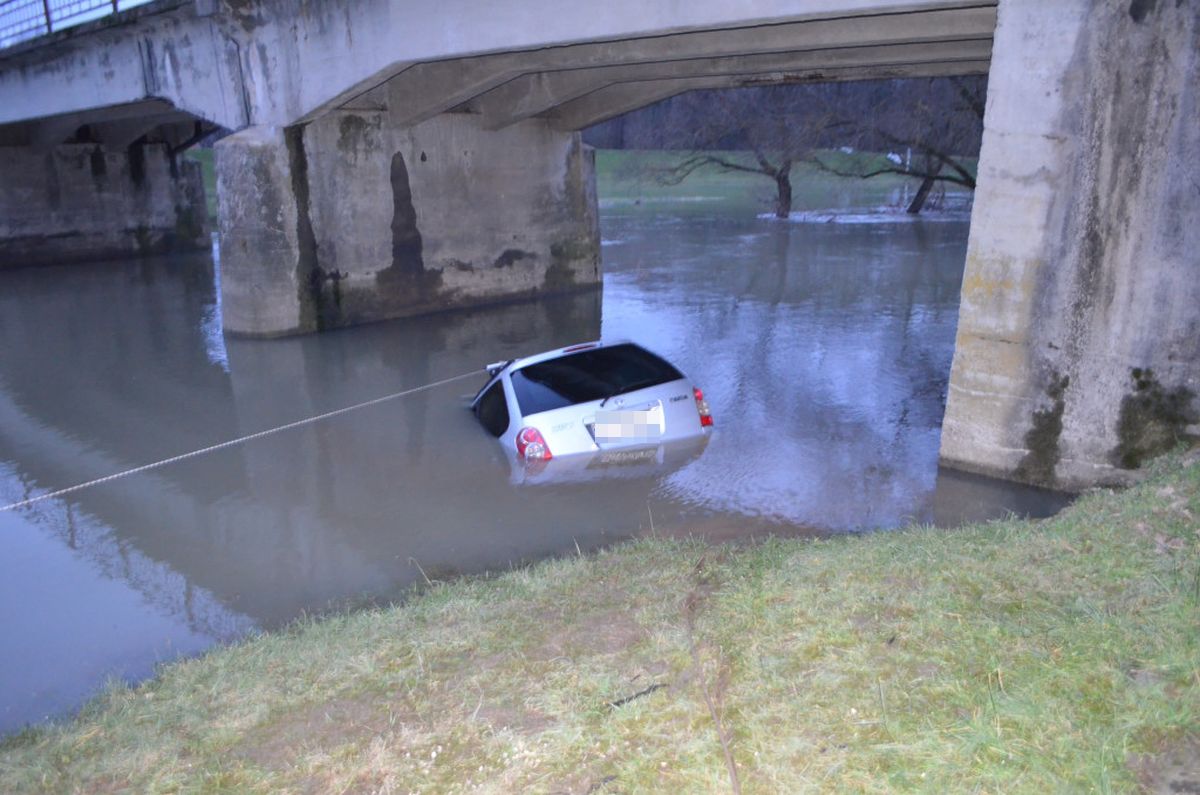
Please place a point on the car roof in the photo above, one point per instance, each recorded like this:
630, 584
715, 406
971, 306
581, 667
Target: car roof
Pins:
517, 364
499, 369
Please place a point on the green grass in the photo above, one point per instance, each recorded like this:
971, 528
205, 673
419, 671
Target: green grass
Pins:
1013, 656
624, 177
205, 158
630, 174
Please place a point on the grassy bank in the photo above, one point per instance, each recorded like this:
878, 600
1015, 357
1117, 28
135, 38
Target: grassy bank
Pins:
626, 176
208, 168
1060, 655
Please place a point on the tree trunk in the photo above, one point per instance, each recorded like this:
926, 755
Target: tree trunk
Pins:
783, 188
922, 194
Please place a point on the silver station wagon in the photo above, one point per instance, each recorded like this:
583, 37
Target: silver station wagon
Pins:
595, 398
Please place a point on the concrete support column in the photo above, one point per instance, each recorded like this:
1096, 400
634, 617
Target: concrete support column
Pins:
1078, 351
354, 218
84, 202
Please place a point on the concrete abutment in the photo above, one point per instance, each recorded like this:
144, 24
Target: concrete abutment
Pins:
352, 218
1078, 349
80, 202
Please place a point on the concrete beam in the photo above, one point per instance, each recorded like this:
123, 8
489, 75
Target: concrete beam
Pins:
389, 38
532, 95
175, 133
422, 91
276, 62
610, 102
116, 135
47, 133
614, 100
177, 58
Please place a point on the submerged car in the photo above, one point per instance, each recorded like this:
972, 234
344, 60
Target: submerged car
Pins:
593, 398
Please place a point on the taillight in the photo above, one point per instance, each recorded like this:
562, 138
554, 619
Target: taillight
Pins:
531, 446
706, 419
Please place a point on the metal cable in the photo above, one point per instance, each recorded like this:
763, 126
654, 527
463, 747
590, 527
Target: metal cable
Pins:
230, 443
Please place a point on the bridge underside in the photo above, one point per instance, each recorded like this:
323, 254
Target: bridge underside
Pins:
464, 181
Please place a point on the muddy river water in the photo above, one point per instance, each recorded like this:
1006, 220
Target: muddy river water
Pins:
823, 348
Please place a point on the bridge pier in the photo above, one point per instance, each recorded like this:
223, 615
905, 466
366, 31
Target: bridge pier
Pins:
1078, 350
353, 218
87, 201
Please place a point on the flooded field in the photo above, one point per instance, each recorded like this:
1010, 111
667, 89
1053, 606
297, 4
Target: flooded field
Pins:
823, 348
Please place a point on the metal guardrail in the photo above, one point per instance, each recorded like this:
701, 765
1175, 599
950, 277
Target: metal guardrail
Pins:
21, 20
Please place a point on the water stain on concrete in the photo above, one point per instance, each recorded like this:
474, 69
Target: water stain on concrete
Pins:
564, 254
320, 308
1041, 440
53, 189
512, 255
137, 163
407, 246
99, 164
1153, 419
407, 273
1139, 9
358, 134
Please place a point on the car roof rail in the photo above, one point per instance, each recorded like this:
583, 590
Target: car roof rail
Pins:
496, 367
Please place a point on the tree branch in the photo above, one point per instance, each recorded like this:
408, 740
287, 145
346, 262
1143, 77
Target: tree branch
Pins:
676, 174
964, 177
973, 100
955, 179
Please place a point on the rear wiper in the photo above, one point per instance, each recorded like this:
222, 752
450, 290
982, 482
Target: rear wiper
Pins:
631, 388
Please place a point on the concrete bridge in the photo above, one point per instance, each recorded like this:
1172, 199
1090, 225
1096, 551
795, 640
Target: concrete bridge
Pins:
395, 158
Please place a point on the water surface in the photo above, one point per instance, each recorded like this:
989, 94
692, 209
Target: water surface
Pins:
823, 348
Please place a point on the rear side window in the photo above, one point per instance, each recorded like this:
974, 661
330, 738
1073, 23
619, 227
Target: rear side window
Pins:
492, 410
588, 375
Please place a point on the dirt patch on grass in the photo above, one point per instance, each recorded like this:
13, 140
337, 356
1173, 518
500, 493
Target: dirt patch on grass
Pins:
279, 743
519, 719
899, 584
1175, 771
603, 632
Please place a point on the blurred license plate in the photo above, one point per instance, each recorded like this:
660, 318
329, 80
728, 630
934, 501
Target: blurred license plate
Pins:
629, 425
619, 457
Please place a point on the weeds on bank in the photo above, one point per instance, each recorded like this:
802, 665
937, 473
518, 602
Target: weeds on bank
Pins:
1012, 656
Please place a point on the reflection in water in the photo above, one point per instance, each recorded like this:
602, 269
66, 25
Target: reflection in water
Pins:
824, 351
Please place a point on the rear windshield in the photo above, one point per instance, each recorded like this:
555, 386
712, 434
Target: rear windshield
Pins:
588, 375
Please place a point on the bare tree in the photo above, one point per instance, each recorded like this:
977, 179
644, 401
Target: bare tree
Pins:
843, 128
779, 127
936, 122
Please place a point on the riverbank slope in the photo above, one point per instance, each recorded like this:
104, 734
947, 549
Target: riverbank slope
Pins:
1012, 656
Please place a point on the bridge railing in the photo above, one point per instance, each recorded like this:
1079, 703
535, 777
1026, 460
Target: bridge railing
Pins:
21, 20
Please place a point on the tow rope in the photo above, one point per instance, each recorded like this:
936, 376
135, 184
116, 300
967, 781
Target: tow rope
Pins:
230, 443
